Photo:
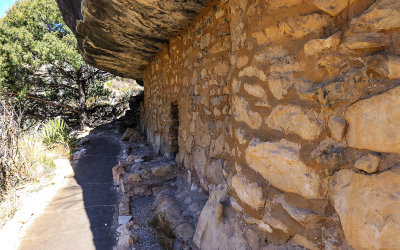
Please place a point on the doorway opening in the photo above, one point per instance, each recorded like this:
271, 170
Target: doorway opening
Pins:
174, 128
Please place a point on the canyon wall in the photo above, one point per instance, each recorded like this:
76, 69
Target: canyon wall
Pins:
287, 113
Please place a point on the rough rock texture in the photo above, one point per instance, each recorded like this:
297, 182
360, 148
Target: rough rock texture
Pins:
373, 123
280, 164
368, 207
273, 100
122, 37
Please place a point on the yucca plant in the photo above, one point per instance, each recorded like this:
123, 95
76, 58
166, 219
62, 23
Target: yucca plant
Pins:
54, 132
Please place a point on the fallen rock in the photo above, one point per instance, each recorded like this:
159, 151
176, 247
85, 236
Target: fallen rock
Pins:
279, 163
291, 119
248, 192
368, 163
373, 123
372, 226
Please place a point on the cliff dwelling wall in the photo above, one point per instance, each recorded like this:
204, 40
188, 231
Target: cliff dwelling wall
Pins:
294, 107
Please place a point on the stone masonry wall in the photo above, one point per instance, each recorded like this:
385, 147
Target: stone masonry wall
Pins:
289, 117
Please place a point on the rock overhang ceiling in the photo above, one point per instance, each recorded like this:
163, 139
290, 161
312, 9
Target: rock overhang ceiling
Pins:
122, 36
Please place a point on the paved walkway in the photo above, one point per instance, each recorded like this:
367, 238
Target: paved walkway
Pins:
82, 213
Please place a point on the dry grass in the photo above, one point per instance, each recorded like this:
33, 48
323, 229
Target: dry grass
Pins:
27, 162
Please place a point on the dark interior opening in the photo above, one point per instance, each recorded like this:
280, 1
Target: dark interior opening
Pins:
174, 128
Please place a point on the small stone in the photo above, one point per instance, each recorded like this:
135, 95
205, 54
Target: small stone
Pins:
142, 190
248, 192
156, 190
242, 61
336, 127
124, 219
368, 163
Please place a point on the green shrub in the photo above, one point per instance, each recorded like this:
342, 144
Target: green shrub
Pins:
54, 132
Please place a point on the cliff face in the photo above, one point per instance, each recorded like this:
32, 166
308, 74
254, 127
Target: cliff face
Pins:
122, 36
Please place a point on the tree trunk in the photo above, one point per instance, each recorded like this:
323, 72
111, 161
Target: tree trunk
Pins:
82, 104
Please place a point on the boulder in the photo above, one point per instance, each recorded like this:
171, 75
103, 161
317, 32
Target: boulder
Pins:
368, 207
279, 163
373, 123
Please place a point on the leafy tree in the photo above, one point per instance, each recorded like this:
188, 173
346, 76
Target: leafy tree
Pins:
40, 63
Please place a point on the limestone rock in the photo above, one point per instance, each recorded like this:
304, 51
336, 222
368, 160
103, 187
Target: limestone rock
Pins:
373, 123
299, 26
316, 46
254, 90
386, 65
301, 215
211, 233
381, 16
369, 208
336, 127
251, 71
248, 192
333, 7
366, 40
279, 163
291, 119
242, 113
368, 163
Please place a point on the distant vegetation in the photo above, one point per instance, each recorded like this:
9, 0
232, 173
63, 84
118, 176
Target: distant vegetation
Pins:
40, 65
